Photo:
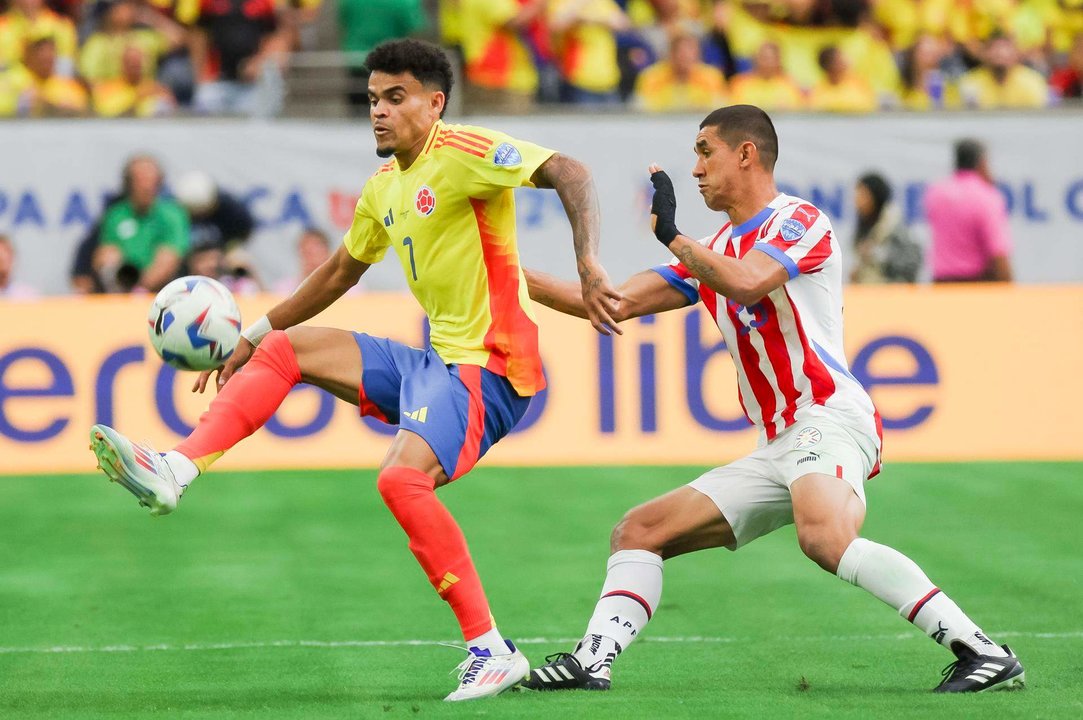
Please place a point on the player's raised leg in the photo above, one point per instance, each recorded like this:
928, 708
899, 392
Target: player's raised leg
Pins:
325, 357
682, 521
828, 515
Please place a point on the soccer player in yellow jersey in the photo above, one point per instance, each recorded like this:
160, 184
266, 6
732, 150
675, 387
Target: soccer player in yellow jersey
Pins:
444, 204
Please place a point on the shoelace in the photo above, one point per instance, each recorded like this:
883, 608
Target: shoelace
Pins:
556, 657
949, 670
469, 668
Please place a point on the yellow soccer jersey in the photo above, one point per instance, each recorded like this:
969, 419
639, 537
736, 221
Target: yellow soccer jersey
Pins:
450, 218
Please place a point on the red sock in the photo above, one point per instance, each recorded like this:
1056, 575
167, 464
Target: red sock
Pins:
438, 544
246, 402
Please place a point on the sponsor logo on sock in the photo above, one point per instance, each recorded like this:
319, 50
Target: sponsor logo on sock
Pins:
982, 639
939, 633
623, 624
446, 583
595, 644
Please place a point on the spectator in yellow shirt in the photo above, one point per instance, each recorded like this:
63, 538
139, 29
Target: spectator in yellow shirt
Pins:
585, 41
841, 90
767, 85
1003, 81
51, 95
683, 82
27, 20
133, 94
925, 85
100, 58
500, 71
33, 89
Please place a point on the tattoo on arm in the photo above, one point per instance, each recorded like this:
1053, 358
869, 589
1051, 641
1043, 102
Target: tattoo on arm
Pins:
575, 187
697, 267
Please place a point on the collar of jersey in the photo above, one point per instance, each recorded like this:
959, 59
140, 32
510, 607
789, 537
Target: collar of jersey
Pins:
754, 222
425, 151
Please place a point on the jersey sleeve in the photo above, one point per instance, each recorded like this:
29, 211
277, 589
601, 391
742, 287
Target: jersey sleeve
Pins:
366, 240
677, 275
799, 238
487, 162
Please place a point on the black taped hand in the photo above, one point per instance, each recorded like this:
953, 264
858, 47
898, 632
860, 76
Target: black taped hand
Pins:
664, 208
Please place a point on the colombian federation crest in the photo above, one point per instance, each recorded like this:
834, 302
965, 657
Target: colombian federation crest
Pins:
425, 201
807, 437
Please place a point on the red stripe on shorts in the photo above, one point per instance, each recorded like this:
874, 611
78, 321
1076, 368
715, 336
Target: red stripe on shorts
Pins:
366, 406
475, 420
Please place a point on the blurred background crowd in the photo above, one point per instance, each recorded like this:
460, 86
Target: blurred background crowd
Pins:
264, 57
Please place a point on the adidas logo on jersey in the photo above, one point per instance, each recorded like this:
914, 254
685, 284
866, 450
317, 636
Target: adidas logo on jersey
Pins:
419, 415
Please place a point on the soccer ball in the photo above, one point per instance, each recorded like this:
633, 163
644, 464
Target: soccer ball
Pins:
194, 323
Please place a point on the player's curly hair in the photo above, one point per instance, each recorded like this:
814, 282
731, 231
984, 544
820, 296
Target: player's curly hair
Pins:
423, 60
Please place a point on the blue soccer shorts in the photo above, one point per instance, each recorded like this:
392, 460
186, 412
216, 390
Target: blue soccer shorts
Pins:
459, 410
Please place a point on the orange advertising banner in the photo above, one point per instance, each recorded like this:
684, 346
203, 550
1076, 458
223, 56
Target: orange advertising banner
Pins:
958, 373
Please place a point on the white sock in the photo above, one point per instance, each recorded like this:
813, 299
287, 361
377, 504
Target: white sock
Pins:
630, 595
898, 581
492, 641
184, 470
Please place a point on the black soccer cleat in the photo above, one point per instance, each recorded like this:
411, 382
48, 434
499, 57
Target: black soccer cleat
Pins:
563, 671
978, 673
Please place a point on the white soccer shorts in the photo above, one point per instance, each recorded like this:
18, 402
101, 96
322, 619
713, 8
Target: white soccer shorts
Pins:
753, 493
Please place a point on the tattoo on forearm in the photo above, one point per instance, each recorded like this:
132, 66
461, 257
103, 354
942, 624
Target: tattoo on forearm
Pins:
575, 186
703, 271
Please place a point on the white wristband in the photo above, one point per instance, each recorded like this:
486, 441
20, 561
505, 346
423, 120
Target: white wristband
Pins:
257, 330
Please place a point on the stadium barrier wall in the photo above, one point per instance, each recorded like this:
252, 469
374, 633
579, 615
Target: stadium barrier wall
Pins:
54, 176
958, 373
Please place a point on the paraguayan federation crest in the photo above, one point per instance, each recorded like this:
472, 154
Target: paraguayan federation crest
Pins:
807, 437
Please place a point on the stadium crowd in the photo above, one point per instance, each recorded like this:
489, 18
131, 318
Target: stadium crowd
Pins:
154, 57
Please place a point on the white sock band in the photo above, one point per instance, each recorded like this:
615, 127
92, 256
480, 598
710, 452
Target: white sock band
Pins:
630, 595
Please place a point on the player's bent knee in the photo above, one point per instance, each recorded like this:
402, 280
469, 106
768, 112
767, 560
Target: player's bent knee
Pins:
635, 532
825, 545
397, 482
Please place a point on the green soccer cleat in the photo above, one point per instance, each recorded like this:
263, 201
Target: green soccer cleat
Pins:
142, 471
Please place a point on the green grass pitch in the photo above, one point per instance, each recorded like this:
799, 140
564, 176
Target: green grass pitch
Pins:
292, 595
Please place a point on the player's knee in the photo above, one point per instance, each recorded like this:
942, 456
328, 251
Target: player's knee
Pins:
396, 483
275, 339
825, 544
635, 531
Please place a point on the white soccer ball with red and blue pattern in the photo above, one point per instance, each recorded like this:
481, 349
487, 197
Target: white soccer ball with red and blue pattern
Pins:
194, 323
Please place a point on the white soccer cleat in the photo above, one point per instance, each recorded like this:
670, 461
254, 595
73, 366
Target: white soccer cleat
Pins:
142, 471
482, 674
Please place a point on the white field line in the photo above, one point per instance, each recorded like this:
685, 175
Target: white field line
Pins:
335, 644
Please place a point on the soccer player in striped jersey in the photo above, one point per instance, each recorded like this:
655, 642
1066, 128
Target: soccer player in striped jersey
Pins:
771, 280
444, 203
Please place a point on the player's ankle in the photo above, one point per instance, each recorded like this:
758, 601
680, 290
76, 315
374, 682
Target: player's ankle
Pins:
184, 470
492, 641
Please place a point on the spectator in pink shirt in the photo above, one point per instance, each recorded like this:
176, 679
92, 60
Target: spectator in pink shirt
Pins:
969, 222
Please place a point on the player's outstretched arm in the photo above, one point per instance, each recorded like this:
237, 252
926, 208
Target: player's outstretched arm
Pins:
644, 293
574, 184
327, 283
743, 280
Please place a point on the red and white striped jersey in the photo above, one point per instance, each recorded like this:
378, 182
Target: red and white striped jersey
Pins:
788, 347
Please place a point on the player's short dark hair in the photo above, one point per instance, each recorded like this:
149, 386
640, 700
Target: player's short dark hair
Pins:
746, 123
968, 154
423, 60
